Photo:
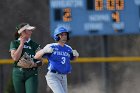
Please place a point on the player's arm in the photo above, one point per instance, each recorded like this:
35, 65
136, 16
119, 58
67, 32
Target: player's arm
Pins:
46, 50
39, 54
74, 55
38, 58
15, 54
38, 62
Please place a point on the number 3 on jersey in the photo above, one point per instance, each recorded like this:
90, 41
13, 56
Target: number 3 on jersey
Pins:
63, 60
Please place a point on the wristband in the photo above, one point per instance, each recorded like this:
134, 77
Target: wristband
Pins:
39, 63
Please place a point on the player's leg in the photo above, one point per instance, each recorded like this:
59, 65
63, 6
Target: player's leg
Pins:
64, 83
18, 80
54, 83
31, 83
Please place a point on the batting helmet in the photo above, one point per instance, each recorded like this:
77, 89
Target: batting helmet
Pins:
58, 31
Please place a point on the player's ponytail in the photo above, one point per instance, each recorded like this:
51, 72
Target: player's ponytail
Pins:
17, 35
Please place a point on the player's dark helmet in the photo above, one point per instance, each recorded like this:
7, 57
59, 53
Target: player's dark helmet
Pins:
58, 31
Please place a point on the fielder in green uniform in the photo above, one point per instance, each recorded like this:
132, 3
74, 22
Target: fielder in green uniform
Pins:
23, 49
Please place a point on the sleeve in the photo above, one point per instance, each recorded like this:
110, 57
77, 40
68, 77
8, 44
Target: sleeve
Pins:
46, 47
13, 46
46, 55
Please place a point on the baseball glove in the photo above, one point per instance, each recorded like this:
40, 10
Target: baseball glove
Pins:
25, 61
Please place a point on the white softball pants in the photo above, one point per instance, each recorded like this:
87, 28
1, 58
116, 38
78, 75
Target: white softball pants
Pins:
57, 82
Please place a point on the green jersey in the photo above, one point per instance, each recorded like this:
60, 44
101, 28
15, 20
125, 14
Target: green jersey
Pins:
29, 47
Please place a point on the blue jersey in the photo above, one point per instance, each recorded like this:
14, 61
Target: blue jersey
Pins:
59, 60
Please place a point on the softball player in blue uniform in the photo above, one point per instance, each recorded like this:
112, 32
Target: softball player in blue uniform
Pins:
59, 55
